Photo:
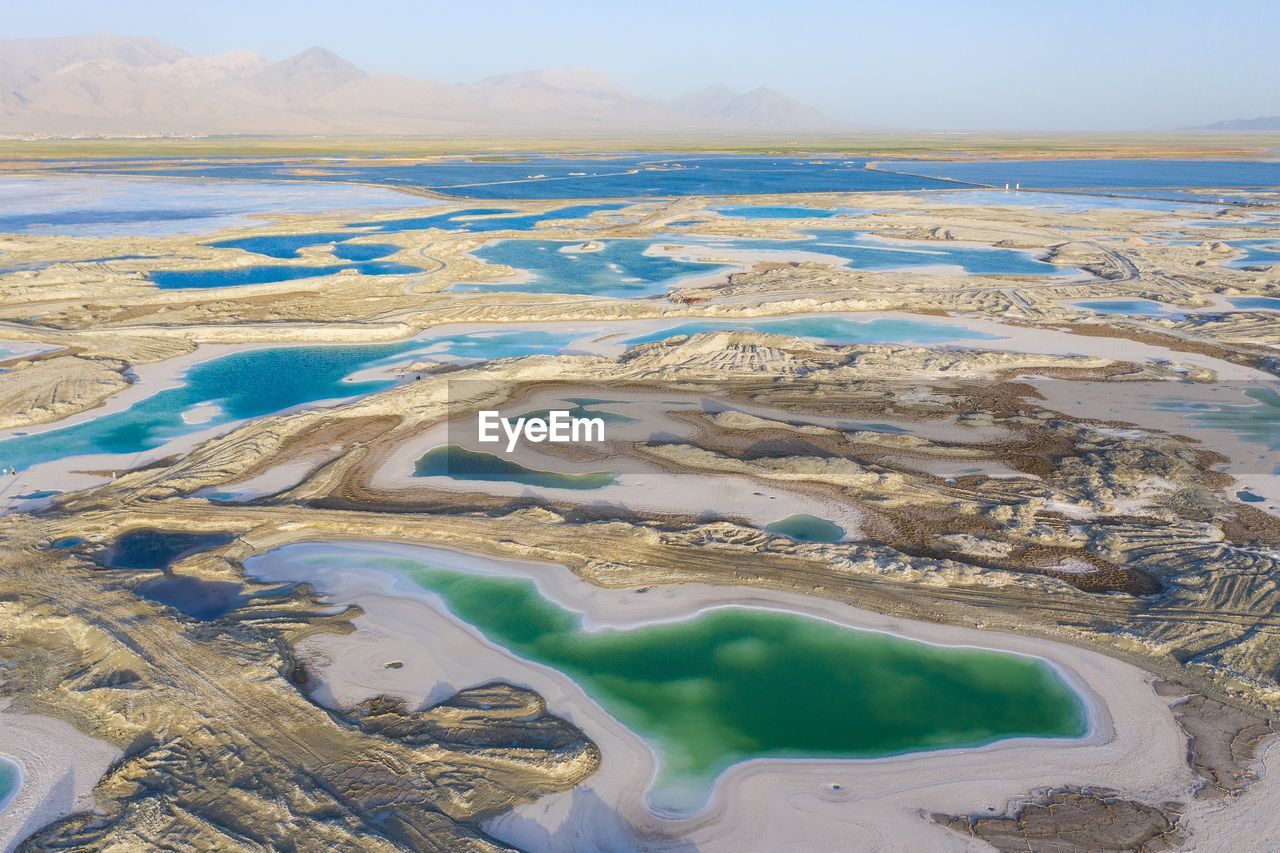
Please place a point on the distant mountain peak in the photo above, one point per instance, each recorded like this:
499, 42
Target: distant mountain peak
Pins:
319, 60
567, 79
762, 107
1259, 123
308, 75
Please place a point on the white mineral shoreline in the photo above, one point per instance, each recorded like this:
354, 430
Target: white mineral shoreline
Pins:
1133, 743
60, 767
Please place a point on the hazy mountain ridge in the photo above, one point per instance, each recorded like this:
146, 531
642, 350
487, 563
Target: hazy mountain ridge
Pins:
108, 84
1259, 123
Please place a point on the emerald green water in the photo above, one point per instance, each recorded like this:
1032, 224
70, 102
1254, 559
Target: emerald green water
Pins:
737, 683
458, 463
807, 528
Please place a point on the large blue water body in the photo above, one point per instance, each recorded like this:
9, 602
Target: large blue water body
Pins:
256, 383
1100, 174
100, 206
1257, 252
830, 329
614, 176
622, 269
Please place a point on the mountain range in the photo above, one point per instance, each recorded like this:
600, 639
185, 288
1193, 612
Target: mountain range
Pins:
1259, 123
108, 84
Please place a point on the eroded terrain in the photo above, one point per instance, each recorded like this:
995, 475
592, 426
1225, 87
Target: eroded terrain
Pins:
999, 455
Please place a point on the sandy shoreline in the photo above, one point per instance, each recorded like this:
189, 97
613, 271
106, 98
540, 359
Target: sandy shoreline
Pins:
60, 767
1134, 744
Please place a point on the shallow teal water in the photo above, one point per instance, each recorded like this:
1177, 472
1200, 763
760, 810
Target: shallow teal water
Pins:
807, 528
283, 246
269, 274
620, 269
10, 782
1128, 174
1255, 303
485, 219
733, 684
458, 463
781, 211
364, 251
865, 252
1258, 422
1138, 307
289, 246
478, 220
259, 382
532, 176
1257, 253
838, 330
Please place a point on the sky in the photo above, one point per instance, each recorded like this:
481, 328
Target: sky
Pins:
964, 65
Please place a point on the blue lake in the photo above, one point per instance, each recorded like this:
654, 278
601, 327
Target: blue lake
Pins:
255, 383
1257, 252
198, 598
289, 246
485, 219
780, 211
1136, 307
864, 251
284, 246
146, 548
269, 274
1152, 308
621, 268
1255, 303
612, 176
647, 175
1129, 174
1066, 202
364, 251
830, 329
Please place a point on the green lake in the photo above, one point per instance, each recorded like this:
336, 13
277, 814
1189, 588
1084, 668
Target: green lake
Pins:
807, 528
738, 683
458, 463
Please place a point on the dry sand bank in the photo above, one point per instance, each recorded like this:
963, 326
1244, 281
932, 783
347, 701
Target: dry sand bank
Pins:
60, 767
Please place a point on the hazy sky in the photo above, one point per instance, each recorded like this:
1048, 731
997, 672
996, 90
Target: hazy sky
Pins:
1067, 65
